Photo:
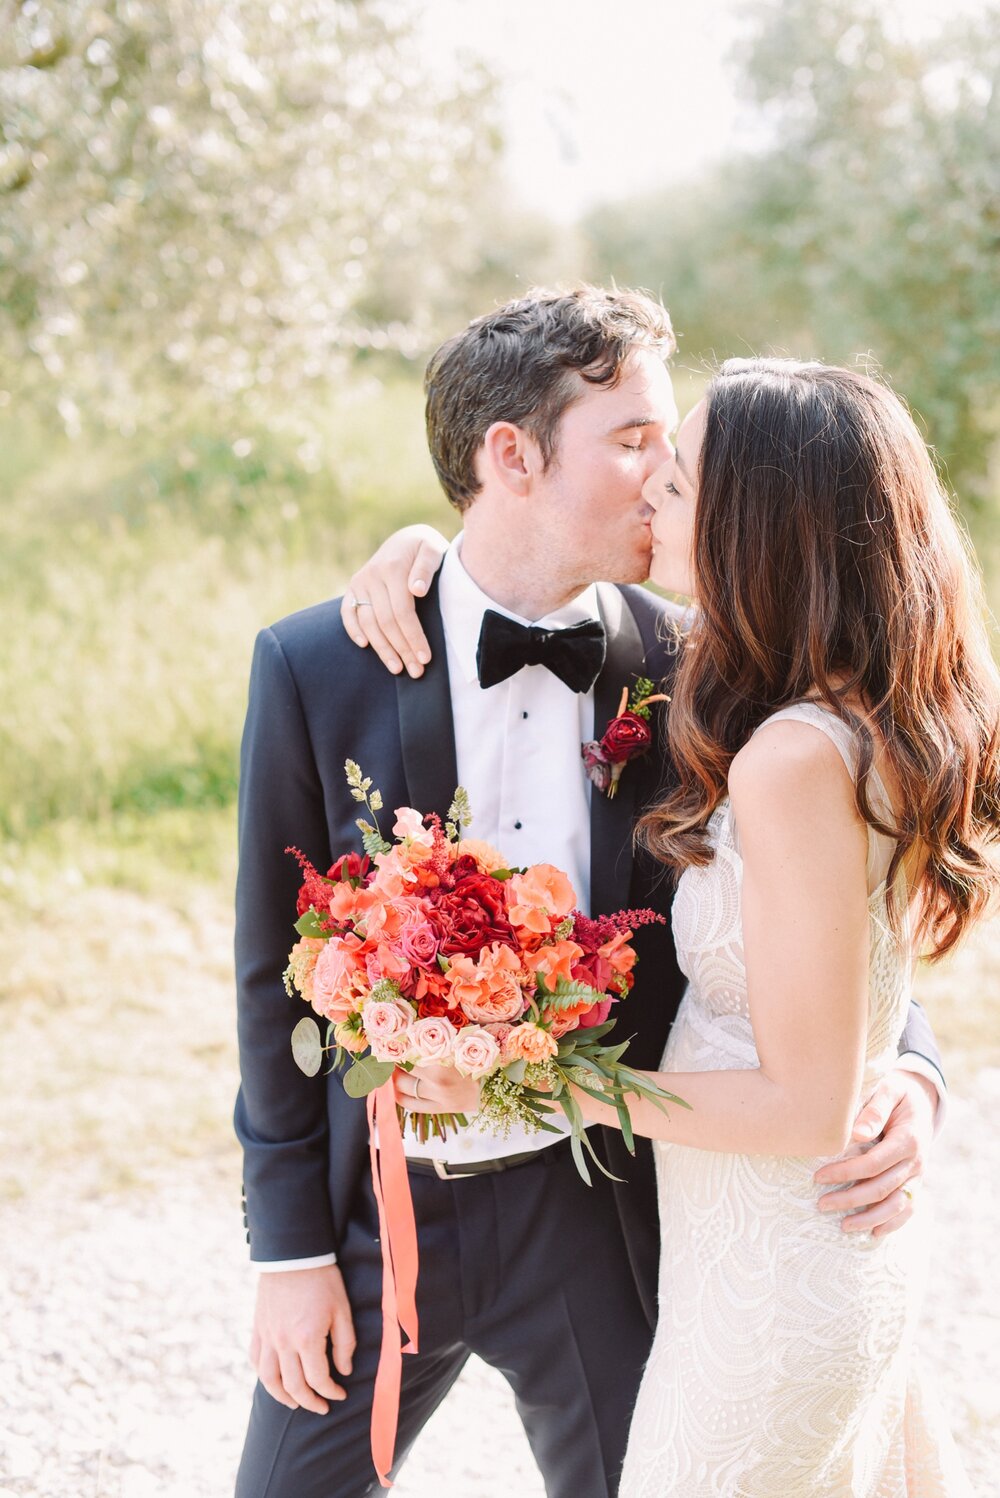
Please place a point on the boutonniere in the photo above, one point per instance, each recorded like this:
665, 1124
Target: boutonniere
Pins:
626, 736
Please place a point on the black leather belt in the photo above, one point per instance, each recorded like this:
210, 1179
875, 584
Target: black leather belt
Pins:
447, 1170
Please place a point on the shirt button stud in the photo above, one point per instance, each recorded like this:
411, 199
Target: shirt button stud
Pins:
517, 826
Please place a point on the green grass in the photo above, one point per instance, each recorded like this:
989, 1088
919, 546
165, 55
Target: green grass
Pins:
134, 576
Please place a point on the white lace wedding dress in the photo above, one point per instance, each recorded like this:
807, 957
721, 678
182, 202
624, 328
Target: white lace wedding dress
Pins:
781, 1366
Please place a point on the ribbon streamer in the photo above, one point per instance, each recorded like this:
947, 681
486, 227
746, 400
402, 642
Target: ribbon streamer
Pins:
398, 1235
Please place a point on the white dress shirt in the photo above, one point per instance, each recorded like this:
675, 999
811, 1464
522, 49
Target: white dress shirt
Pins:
517, 749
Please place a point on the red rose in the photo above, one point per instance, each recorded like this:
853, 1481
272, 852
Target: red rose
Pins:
472, 916
626, 736
436, 1006
350, 866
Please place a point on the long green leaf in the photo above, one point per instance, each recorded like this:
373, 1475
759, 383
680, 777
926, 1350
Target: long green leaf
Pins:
578, 1160
625, 1121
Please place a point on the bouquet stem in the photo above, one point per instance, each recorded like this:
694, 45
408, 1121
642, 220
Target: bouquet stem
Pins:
424, 1126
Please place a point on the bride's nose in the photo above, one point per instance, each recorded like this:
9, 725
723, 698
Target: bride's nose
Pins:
653, 490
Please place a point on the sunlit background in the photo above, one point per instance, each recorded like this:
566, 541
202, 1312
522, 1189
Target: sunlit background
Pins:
230, 233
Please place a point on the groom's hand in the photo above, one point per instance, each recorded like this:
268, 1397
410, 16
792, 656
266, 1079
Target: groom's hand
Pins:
297, 1309
878, 1198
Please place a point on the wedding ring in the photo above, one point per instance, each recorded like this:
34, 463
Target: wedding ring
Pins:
416, 1088
907, 1193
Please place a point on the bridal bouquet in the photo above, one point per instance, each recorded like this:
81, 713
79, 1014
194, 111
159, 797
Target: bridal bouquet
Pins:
432, 949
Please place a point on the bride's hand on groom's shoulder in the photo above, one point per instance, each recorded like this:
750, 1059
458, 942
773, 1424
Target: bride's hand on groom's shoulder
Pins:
297, 1310
378, 608
875, 1183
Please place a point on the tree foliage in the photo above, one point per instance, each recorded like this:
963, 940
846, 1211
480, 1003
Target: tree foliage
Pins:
224, 198
868, 222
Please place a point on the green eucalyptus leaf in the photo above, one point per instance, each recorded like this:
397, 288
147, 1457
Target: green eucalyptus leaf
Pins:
307, 1046
308, 924
516, 1070
366, 1075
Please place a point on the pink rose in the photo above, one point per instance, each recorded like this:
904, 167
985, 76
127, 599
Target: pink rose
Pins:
501, 1032
476, 1052
338, 977
384, 1018
432, 1039
394, 1048
418, 943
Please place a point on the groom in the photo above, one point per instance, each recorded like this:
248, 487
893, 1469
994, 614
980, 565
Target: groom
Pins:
544, 418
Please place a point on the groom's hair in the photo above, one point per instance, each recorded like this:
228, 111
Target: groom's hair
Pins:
519, 364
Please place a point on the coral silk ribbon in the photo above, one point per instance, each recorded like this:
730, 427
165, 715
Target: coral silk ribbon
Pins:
398, 1232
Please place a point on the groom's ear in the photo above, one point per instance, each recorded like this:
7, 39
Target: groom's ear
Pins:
511, 457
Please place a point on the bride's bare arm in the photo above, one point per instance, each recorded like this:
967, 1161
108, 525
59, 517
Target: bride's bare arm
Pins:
378, 608
805, 937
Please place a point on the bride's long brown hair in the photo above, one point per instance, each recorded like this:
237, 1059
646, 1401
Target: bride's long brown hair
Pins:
829, 565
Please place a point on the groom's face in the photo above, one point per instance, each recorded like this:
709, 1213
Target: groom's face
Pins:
609, 442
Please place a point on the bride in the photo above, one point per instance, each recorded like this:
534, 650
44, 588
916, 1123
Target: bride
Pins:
835, 730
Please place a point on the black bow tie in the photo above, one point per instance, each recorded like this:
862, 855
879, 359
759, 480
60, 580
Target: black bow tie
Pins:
575, 654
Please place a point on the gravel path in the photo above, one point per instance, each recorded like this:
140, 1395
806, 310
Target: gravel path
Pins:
123, 1322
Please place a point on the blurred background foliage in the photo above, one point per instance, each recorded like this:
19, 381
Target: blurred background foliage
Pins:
229, 236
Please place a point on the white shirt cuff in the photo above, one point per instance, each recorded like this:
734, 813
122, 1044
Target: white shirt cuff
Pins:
911, 1061
276, 1266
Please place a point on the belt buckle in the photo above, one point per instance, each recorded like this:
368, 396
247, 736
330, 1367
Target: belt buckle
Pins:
444, 1174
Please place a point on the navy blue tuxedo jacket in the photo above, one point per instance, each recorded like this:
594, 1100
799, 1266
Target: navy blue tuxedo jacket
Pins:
315, 701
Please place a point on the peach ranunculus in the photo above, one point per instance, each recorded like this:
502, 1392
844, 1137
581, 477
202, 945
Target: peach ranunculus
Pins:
487, 857
476, 1052
539, 898
339, 977
530, 1043
432, 1040
351, 1039
302, 964
487, 990
561, 1022
554, 961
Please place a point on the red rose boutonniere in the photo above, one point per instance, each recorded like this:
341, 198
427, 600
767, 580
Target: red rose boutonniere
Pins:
627, 735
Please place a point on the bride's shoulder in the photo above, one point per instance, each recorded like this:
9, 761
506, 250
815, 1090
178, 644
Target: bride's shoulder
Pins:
791, 771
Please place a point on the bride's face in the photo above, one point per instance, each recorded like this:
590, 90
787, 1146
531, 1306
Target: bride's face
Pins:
672, 494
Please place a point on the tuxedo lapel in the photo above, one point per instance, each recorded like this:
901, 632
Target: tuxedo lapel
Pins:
426, 726
611, 818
